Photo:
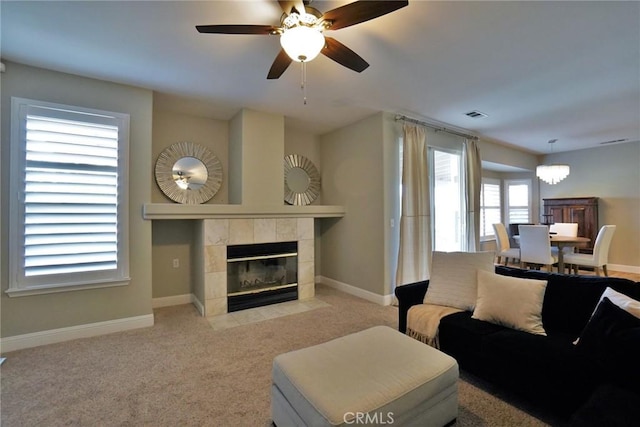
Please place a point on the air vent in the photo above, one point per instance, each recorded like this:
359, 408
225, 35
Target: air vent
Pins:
613, 141
475, 114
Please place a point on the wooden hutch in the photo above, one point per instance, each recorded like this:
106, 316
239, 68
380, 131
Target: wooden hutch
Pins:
583, 210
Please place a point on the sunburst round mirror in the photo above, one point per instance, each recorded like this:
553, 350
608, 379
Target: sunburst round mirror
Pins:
301, 180
188, 173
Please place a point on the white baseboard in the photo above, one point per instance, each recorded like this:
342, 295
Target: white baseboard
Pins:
52, 336
178, 300
198, 304
624, 268
352, 290
172, 300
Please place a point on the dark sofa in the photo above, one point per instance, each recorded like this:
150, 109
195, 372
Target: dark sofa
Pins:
549, 371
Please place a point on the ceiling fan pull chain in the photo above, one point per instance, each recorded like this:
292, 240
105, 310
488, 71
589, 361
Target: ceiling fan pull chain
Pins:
303, 84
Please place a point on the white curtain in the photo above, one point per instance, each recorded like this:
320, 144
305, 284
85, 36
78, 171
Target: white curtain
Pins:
473, 183
415, 222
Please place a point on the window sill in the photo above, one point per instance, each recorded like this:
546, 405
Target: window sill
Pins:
51, 289
488, 239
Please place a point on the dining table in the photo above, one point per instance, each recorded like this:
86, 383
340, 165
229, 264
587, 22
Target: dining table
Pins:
562, 242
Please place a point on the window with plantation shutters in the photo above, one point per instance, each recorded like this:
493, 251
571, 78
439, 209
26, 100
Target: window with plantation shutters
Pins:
68, 219
518, 201
490, 207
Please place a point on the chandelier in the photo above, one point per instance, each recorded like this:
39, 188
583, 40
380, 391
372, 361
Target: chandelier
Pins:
554, 173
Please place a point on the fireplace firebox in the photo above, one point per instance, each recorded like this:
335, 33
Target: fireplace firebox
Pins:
261, 274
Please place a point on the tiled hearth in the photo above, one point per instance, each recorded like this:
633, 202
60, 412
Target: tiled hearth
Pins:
218, 233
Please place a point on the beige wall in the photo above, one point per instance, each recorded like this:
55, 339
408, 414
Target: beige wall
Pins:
352, 176
257, 158
504, 155
170, 127
27, 314
391, 191
611, 173
173, 239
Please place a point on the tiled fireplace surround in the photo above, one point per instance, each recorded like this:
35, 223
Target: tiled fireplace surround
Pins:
216, 234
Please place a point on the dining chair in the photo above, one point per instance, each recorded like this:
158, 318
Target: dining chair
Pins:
599, 258
535, 246
513, 231
504, 249
564, 229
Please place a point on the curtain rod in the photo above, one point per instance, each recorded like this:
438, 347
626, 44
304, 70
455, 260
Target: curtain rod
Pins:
436, 128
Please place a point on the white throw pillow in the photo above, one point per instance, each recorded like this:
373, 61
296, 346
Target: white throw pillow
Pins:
623, 301
511, 301
453, 281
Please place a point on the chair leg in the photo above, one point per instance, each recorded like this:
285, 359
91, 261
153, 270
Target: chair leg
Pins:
604, 268
506, 261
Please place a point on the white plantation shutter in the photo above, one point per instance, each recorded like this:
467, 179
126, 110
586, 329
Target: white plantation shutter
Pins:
489, 206
518, 201
70, 228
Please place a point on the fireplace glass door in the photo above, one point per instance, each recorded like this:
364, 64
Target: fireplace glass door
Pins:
261, 274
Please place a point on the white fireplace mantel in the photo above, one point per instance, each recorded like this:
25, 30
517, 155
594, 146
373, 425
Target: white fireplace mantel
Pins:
163, 211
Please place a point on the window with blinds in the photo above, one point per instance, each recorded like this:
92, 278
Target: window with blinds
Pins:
68, 169
489, 206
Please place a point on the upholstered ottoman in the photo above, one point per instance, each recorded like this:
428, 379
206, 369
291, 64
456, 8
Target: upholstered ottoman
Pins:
376, 376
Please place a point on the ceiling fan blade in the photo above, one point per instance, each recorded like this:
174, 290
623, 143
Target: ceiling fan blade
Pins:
280, 64
343, 55
361, 11
288, 5
237, 29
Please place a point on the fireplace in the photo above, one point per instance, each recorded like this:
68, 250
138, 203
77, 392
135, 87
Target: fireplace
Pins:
261, 274
215, 236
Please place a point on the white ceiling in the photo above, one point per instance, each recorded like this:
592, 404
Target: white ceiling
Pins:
540, 70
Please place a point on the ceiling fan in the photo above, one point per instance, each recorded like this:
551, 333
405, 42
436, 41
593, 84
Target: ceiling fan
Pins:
301, 28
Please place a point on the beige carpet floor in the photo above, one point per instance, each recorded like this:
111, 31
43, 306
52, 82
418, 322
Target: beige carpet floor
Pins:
182, 372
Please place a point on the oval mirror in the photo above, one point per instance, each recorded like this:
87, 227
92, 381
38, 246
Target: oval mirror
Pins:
301, 180
188, 173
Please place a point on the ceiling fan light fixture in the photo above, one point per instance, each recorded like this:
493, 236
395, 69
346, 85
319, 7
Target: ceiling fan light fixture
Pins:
302, 43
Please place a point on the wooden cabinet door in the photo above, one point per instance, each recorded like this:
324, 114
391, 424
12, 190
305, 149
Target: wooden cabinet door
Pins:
558, 213
580, 215
581, 210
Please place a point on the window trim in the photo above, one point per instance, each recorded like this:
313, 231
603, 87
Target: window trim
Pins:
18, 285
498, 182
